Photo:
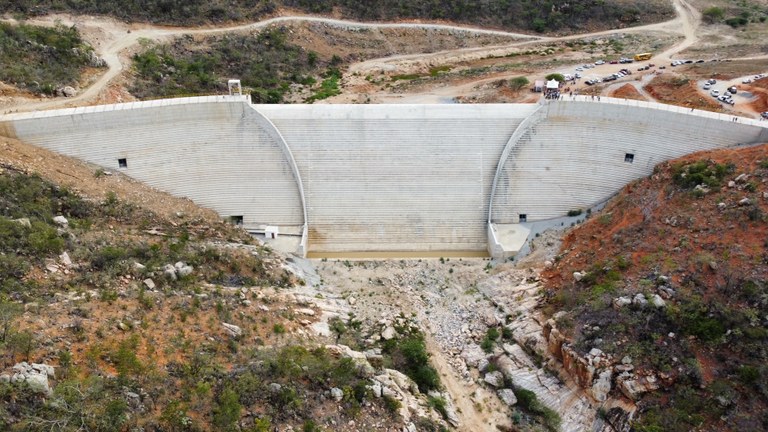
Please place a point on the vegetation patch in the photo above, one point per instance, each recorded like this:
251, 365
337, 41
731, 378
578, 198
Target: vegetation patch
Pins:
408, 354
42, 59
266, 64
536, 15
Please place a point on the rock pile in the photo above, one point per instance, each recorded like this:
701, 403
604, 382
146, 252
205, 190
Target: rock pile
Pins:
35, 375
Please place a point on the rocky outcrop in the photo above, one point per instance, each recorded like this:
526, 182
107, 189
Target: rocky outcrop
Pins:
507, 396
633, 386
233, 330
601, 386
66, 91
578, 367
35, 375
393, 384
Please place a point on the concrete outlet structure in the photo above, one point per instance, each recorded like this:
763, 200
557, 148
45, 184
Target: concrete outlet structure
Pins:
410, 179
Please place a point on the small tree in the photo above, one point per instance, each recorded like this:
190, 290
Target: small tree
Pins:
9, 311
713, 14
555, 76
518, 83
21, 343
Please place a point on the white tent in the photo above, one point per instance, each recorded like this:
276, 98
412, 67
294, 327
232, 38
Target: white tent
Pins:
553, 85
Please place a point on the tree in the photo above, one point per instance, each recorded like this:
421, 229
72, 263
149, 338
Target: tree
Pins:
9, 311
555, 76
21, 343
518, 83
713, 14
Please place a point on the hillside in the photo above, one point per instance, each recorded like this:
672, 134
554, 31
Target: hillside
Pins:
672, 275
536, 15
124, 308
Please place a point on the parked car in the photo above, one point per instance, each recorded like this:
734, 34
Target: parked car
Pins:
707, 86
764, 114
600, 62
715, 93
746, 81
613, 62
732, 90
712, 81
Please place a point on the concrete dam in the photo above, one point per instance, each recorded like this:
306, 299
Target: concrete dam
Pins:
392, 179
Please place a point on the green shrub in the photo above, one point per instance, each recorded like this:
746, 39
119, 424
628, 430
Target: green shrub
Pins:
737, 21
226, 413
329, 87
748, 374
125, 359
41, 59
409, 355
697, 319
278, 329
518, 83
528, 401
435, 71
713, 14
391, 404
438, 404
703, 172
555, 76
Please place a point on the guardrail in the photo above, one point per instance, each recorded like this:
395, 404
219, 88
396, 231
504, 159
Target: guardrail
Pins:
657, 106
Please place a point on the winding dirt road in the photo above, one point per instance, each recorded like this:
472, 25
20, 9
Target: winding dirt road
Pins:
115, 38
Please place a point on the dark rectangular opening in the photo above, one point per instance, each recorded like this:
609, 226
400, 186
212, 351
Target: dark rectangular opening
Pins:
629, 157
236, 220
522, 217
122, 163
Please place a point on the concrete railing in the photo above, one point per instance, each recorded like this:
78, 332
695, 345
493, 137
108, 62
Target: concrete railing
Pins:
126, 106
661, 107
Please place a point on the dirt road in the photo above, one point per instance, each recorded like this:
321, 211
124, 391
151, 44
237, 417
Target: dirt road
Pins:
112, 39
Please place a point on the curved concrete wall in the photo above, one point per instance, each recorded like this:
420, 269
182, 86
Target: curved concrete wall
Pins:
215, 151
374, 178
397, 177
574, 157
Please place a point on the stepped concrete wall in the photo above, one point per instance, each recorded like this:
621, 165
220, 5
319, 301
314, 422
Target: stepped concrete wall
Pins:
575, 155
383, 178
397, 177
217, 151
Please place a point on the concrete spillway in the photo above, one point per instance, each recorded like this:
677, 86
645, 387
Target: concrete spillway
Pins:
383, 178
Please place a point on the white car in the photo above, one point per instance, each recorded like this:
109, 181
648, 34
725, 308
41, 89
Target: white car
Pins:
600, 62
707, 86
746, 81
578, 75
715, 93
